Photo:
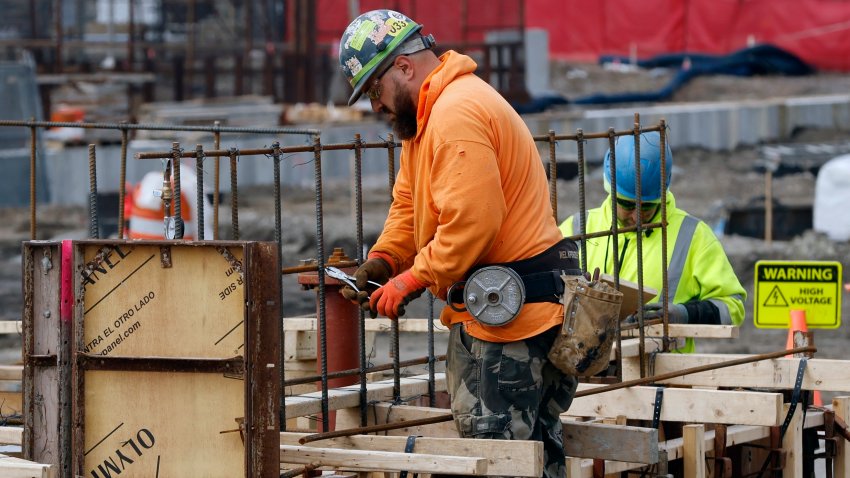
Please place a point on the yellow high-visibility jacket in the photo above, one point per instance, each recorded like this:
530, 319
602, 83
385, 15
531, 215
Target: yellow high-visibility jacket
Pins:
697, 267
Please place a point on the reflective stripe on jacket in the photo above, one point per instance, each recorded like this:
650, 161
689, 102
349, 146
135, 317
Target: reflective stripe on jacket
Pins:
697, 266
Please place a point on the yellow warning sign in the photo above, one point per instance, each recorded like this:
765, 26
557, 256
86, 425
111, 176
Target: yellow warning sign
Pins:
812, 286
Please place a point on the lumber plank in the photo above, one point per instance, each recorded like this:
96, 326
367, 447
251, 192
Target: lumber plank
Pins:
821, 374
11, 327
610, 442
379, 413
11, 435
689, 330
841, 406
347, 397
685, 405
693, 445
11, 467
383, 460
504, 458
792, 443
11, 372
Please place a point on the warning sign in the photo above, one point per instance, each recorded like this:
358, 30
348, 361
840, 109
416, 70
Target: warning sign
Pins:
781, 286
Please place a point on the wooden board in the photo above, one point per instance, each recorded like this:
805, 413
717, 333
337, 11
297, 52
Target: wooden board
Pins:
383, 461
631, 301
611, 442
821, 374
46, 352
168, 424
504, 458
683, 405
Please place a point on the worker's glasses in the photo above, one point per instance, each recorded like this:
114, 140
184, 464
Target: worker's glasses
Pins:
374, 92
631, 205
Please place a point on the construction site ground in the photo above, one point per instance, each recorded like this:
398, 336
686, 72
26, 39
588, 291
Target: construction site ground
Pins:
706, 184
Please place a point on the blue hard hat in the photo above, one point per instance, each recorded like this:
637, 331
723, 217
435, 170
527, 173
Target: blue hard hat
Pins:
650, 167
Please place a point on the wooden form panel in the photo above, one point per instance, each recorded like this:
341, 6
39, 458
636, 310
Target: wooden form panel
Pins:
46, 378
176, 359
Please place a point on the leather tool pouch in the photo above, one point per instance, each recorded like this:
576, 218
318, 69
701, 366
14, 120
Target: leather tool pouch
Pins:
591, 311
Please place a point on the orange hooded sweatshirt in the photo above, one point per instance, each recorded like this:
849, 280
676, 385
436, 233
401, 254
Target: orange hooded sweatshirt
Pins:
471, 190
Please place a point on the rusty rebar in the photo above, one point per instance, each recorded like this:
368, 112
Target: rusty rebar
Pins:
395, 340
581, 393
122, 180
93, 227
615, 239
313, 267
361, 370
320, 263
154, 127
553, 175
33, 141
177, 200
361, 323
667, 294
234, 195
638, 243
216, 177
582, 207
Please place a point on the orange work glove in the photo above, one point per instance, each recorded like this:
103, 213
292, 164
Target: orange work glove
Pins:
390, 299
375, 270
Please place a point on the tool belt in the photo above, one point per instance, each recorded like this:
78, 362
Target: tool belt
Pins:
494, 293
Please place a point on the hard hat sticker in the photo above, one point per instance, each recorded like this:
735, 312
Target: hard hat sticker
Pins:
363, 31
354, 66
395, 26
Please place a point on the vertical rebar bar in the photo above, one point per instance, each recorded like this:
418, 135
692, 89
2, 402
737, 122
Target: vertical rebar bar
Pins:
234, 195
432, 360
394, 349
93, 229
639, 244
216, 178
666, 293
199, 172
122, 180
361, 329
582, 206
33, 141
553, 175
615, 238
320, 263
177, 199
278, 239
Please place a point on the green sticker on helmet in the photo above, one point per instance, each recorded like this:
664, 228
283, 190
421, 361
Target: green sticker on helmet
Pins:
361, 34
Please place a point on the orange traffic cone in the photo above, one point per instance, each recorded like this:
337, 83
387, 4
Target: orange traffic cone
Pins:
798, 323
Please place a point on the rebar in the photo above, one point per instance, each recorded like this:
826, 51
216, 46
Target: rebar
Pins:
93, 227
199, 172
615, 235
177, 199
278, 233
553, 175
666, 294
33, 140
355, 371
155, 127
216, 177
361, 323
320, 263
234, 195
582, 207
122, 183
639, 244
394, 349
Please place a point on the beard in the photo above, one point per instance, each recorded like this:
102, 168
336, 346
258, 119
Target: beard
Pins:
404, 114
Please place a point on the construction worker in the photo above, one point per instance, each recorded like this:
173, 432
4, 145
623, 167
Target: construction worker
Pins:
146, 212
703, 285
471, 191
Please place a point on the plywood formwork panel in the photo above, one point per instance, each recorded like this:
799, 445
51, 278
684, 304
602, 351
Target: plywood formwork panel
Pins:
176, 365
135, 306
144, 423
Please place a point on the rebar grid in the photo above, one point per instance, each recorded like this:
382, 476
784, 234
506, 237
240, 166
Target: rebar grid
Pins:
319, 150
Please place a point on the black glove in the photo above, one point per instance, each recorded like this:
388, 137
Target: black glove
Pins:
375, 270
677, 313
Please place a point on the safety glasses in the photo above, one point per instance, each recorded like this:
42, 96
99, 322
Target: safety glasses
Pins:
374, 92
631, 205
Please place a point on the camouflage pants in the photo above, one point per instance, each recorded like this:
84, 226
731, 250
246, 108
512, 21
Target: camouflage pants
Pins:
509, 391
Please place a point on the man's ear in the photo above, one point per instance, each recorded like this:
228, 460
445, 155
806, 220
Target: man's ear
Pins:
407, 66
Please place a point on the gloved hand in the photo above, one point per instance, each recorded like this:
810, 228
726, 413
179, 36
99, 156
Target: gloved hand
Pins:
677, 313
390, 299
375, 269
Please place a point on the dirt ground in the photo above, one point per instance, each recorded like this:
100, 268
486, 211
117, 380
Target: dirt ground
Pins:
706, 184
